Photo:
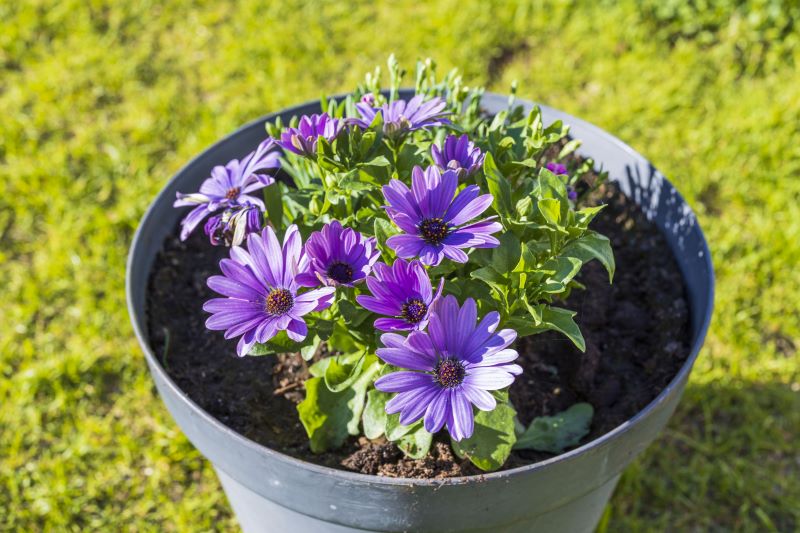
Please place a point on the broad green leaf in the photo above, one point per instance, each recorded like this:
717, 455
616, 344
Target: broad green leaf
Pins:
590, 246
554, 434
374, 417
308, 352
561, 320
498, 186
491, 443
325, 415
353, 315
328, 416
550, 208
417, 443
506, 256
342, 371
395, 431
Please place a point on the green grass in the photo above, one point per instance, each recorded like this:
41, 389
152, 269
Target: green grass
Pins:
100, 105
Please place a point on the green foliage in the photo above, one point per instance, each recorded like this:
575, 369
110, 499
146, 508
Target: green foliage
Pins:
556, 433
334, 403
494, 437
103, 103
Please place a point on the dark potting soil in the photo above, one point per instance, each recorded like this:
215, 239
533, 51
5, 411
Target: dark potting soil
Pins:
636, 332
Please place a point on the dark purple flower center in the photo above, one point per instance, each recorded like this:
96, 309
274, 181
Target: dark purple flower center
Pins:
414, 310
340, 272
232, 193
278, 302
449, 373
433, 230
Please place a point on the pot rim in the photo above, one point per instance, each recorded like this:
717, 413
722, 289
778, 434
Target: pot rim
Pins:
139, 327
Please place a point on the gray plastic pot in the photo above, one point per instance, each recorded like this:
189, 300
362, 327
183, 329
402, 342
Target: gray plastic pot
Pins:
270, 491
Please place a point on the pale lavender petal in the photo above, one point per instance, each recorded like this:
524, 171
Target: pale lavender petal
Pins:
462, 418
482, 399
488, 378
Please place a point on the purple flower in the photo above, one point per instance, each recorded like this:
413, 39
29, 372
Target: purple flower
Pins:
338, 256
458, 153
261, 291
368, 99
302, 140
556, 168
401, 117
233, 225
432, 218
403, 292
572, 194
450, 368
230, 186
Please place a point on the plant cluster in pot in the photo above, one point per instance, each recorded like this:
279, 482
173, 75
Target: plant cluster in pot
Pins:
396, 279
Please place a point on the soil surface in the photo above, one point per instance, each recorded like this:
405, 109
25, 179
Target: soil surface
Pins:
636, 332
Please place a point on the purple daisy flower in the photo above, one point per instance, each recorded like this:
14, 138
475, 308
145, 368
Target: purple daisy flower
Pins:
458, 153
451, 367
433, 219
233, 225
401, 117
338, 256
403, 292
302, 140
230, 185
556, 168
261, 291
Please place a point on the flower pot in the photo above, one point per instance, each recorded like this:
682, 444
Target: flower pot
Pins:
270, 491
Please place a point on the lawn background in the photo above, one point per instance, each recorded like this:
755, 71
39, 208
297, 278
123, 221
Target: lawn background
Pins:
101, 102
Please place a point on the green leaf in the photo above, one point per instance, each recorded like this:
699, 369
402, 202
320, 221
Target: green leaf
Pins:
590, 246
274, 205
383, 229
342, 371
394, 430
554, 434
308, 352
570, 147
325, 415
491, 443
498, 185
353, 316
280, 343
550, 208
417, 443
374, 418
506, 256
561, 320
328, 416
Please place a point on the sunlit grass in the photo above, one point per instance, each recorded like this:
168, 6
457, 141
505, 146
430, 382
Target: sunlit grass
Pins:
102, 105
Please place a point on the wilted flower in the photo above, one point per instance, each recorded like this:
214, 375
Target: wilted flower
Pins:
302, 140
556, 168
261, 291
458, 153
230, 186
450, 368
403, 292
231, 227
432, 218
401, 117
338, 256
